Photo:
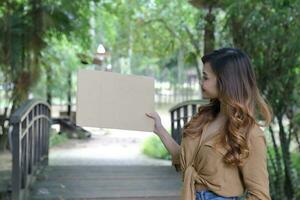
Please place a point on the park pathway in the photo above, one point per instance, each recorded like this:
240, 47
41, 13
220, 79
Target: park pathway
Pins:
105, 147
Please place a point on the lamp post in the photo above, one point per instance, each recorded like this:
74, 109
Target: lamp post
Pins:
100, 56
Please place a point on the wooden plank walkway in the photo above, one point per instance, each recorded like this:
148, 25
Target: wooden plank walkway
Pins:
107, 183
5, 184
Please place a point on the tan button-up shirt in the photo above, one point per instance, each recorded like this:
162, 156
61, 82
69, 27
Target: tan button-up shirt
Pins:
206, 168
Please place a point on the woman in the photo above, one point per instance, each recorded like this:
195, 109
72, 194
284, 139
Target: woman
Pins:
222, 154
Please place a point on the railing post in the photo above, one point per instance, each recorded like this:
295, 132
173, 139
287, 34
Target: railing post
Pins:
172, 123
47, 135
194, 109
178, 126
17, 148
185, 114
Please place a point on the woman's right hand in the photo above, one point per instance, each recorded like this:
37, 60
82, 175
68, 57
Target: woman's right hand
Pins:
157, 122
170, 144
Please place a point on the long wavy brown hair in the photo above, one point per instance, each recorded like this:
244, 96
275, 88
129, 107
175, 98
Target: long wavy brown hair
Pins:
243, 103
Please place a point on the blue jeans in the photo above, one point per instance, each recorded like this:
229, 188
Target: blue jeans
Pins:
208, 195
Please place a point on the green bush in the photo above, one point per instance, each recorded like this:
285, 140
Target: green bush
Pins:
56, 139
153, 147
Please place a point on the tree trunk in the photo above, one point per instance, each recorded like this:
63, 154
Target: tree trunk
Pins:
180, 64
277, 168
199, 69
288, 182
209, 42
209, 30
69, 94
48, 87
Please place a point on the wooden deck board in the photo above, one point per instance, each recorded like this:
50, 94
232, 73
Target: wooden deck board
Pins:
107, 182
5, 182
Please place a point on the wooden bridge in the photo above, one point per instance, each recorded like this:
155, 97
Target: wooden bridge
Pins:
32, 178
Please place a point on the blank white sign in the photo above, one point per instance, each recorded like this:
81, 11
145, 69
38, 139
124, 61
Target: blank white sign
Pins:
113, 100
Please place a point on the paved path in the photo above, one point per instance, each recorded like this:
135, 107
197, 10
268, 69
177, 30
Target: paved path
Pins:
116, 148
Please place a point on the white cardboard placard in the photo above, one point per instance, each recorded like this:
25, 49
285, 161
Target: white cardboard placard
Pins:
113, 100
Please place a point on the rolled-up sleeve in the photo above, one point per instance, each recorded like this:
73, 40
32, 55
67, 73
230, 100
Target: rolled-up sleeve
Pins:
255, 172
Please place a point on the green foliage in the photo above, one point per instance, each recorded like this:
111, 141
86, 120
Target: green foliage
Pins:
61, 57
148, 33
153, 147
295, 157
274, 176
27, 31
296, 161
56, 139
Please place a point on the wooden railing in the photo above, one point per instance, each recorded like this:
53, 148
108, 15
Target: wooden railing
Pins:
30, 144
181, 114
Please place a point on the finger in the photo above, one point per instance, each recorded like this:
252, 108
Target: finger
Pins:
148, 114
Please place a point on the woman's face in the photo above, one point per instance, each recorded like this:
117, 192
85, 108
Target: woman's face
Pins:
209, 83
